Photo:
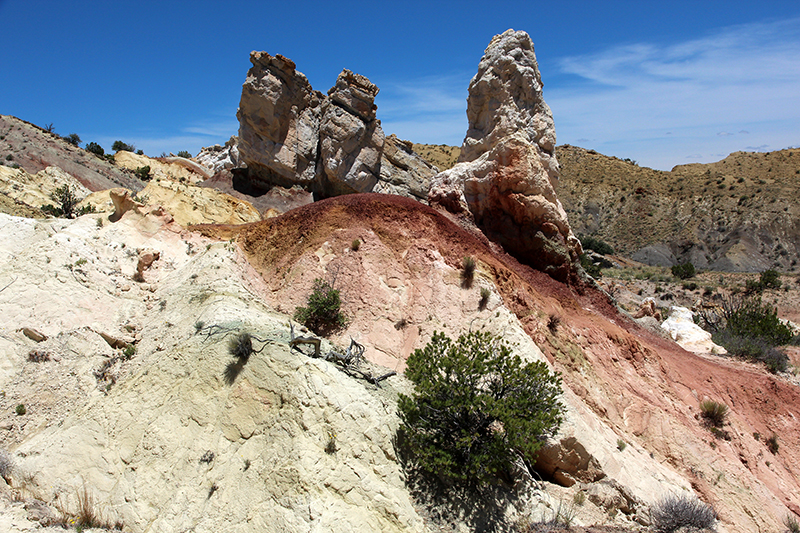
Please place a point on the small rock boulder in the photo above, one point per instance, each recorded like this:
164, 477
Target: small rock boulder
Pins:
691, 337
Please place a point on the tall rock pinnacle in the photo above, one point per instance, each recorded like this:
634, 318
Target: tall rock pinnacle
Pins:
507, 172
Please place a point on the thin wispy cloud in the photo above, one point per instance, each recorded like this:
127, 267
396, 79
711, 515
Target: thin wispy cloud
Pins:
742, 79
428, 110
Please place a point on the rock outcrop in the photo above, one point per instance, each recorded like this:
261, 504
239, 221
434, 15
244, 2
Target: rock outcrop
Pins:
403, 172
351, 138
279, 122
217, 158
507, 170
290, 134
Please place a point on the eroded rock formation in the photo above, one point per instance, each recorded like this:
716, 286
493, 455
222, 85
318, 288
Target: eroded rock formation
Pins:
507, 170
291, 135
278, 122
351, 138
218, 158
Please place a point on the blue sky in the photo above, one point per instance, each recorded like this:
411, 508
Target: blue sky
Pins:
662, 83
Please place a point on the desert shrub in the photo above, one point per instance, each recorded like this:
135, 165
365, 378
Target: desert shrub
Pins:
772, 444
714, 413
20, 409
139, 152
675, 512
95, 148
592, 243
129, 351
66, 201
751, 329
143, 173
691, 286
752, 286
475, 407
120, 146
770, 279
589, 267
355, 245
10, 157
184, 154
322, 313
73, 138
684, 271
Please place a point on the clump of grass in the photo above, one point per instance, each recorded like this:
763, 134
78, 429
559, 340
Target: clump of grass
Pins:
772, 444
621, 445
467, 271
713, 413
579, 498
791, 523
355, 245
330, 446
241, 346
553, 321
485, 294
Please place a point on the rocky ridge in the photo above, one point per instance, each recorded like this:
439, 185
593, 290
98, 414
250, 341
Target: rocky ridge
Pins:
34, 149
736, 215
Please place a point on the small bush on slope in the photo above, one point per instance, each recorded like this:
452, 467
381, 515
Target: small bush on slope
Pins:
322, 313
675, 512
714, 413
684, 271
475, 407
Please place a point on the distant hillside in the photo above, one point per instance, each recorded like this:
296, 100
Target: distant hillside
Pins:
738, 214
440, 155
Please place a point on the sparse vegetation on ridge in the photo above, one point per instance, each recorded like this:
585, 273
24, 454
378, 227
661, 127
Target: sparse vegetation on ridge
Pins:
120, 146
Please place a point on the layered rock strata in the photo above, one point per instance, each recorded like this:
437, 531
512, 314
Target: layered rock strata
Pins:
507, 171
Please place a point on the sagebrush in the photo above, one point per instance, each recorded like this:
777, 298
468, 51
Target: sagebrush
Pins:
675, 512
